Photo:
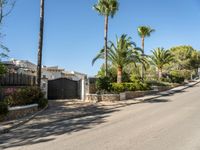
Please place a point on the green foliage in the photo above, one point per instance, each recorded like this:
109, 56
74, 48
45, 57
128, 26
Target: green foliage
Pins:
42, 102
157, 83
112, 73
107, 7
135, 86
145, 31
118, 87
176, 77
164, 79
185, 57
25, 96
3, 108
135, 78
122, 53
161, 57
103, 84
2, 69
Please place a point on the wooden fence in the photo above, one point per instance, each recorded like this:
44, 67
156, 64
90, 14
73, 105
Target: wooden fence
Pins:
16, 79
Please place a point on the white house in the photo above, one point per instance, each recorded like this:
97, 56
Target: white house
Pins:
21, 66
53, 72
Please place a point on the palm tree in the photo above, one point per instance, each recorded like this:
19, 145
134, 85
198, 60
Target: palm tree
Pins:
121, 54
160, 58
39, 64
106, 8
144, 31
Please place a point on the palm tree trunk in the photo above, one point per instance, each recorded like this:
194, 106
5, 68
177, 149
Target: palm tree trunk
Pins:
40, 46
119, 74
105, 43
142, 70
160, 73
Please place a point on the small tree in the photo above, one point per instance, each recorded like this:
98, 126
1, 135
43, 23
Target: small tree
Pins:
121, 54
160, 58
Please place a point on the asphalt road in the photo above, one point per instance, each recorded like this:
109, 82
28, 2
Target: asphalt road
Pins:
167, 123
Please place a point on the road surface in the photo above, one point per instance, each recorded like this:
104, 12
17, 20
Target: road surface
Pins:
167, 123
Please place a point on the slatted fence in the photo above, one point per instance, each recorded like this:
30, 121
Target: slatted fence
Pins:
16, 79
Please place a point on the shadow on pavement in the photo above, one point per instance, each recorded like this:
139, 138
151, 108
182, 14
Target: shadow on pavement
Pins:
157, 100
53, 122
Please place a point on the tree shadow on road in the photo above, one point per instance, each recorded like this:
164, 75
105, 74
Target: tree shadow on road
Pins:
54, 122
157, 100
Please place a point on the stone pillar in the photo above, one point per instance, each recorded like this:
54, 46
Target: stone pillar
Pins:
44, 86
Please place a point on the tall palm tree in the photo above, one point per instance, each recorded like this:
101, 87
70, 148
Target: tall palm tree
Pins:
143, 32
121, 54
160, 58
106, 8
40, 46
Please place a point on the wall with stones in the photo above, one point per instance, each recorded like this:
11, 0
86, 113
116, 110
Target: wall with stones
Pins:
21, 111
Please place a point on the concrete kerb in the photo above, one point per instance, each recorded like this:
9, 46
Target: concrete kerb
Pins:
169, 92
22, 122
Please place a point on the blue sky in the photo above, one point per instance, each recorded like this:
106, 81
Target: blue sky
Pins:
74, 31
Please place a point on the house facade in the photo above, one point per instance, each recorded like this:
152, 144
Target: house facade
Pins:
53, 72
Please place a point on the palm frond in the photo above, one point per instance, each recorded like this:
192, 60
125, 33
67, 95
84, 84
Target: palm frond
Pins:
100, 55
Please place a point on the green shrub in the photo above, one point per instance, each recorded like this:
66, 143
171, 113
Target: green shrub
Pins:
118, 87
129, 86
42, 102
103, 84
25, 96
176, 77
3, 108
165, 79
135, 86
156, 83
135, 78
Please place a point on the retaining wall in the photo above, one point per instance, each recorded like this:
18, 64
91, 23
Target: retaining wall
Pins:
21, 111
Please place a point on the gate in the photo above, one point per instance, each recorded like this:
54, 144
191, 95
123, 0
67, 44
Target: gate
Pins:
63, 88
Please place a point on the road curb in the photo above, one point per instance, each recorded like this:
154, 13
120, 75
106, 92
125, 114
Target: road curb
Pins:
176, 91
6, 130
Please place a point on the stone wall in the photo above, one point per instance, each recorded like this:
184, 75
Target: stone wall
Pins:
110, 97
21, 111
122, 96
135, 94
102, 97
94, 98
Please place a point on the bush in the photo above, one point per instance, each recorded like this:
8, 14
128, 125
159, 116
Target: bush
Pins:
135, 78
103, 84
176, 77
118, 87
167, 79
42, 102
3, 108
25, 96
135, 86
156, 83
